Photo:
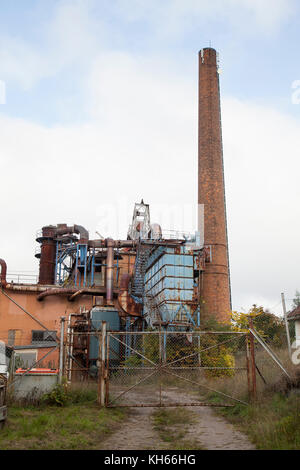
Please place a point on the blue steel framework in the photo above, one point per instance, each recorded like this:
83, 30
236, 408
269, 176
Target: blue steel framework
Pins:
80, 260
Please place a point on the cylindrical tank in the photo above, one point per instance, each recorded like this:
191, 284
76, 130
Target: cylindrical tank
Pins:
48, 256
97, 316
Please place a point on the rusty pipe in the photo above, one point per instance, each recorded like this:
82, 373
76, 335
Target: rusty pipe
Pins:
96, 243
70, 291
125, 302
110, 270
64, 229
116, 243
3, 272
27, 288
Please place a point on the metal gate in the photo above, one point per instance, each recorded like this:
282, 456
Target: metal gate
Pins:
168, 368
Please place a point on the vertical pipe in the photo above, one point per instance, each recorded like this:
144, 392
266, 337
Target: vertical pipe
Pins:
3, 272
61, 350
48, 256
110, 271
70, 336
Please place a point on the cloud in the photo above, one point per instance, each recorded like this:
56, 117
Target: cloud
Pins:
141, 141
97, 171
68, 38
78, 29
173, 17
22, 63
262, 167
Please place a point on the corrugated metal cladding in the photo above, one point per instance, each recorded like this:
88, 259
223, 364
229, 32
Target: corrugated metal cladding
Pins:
169, 279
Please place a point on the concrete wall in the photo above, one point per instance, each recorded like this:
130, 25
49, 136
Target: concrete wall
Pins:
34, 385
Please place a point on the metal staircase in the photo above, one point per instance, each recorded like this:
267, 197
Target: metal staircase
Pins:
154, 316
138, 281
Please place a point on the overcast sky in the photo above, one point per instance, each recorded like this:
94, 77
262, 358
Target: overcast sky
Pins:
100, 111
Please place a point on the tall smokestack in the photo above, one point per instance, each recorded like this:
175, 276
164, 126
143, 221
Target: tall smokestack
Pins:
215, 282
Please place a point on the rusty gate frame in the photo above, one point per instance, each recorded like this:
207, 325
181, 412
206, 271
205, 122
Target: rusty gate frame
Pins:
104, 367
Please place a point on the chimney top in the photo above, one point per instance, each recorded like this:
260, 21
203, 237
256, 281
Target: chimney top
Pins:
208, 56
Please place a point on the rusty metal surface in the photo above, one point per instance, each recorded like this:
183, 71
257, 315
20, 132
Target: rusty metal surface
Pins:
3, 272
110, 271
126, 303
47, 256
170, 405
72, 291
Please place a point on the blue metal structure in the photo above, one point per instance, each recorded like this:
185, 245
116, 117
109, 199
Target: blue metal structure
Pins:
170, 284
77, 264
97, 316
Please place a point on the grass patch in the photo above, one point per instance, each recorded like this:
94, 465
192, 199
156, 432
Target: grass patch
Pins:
77, 424
273, 421
172, 425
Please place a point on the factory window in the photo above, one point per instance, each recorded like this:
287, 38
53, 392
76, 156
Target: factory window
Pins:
25, 358
14, 337
42, 336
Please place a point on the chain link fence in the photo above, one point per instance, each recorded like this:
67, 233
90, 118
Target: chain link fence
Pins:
168, 368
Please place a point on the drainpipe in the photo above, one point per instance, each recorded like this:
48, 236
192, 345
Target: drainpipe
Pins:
110, 271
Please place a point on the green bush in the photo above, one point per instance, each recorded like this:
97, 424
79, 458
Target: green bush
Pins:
59, 396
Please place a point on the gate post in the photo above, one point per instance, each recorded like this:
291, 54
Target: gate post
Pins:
61, 350
101, 365
248, 365
252, 360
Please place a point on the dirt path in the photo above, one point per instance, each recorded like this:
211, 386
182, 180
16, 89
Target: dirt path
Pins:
211, 431
136, 433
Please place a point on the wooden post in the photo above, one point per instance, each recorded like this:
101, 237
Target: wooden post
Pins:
107, 372
248, 365
252, 361
101, 365
286, 324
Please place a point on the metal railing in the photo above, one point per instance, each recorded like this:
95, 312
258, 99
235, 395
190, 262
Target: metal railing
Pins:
22, 278
178, 235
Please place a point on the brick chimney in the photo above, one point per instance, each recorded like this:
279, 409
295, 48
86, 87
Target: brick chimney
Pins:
215, 282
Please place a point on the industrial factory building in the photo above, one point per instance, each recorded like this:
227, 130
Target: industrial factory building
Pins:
148, 280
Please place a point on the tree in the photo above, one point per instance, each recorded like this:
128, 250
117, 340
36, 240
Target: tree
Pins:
296, 300
268, 325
